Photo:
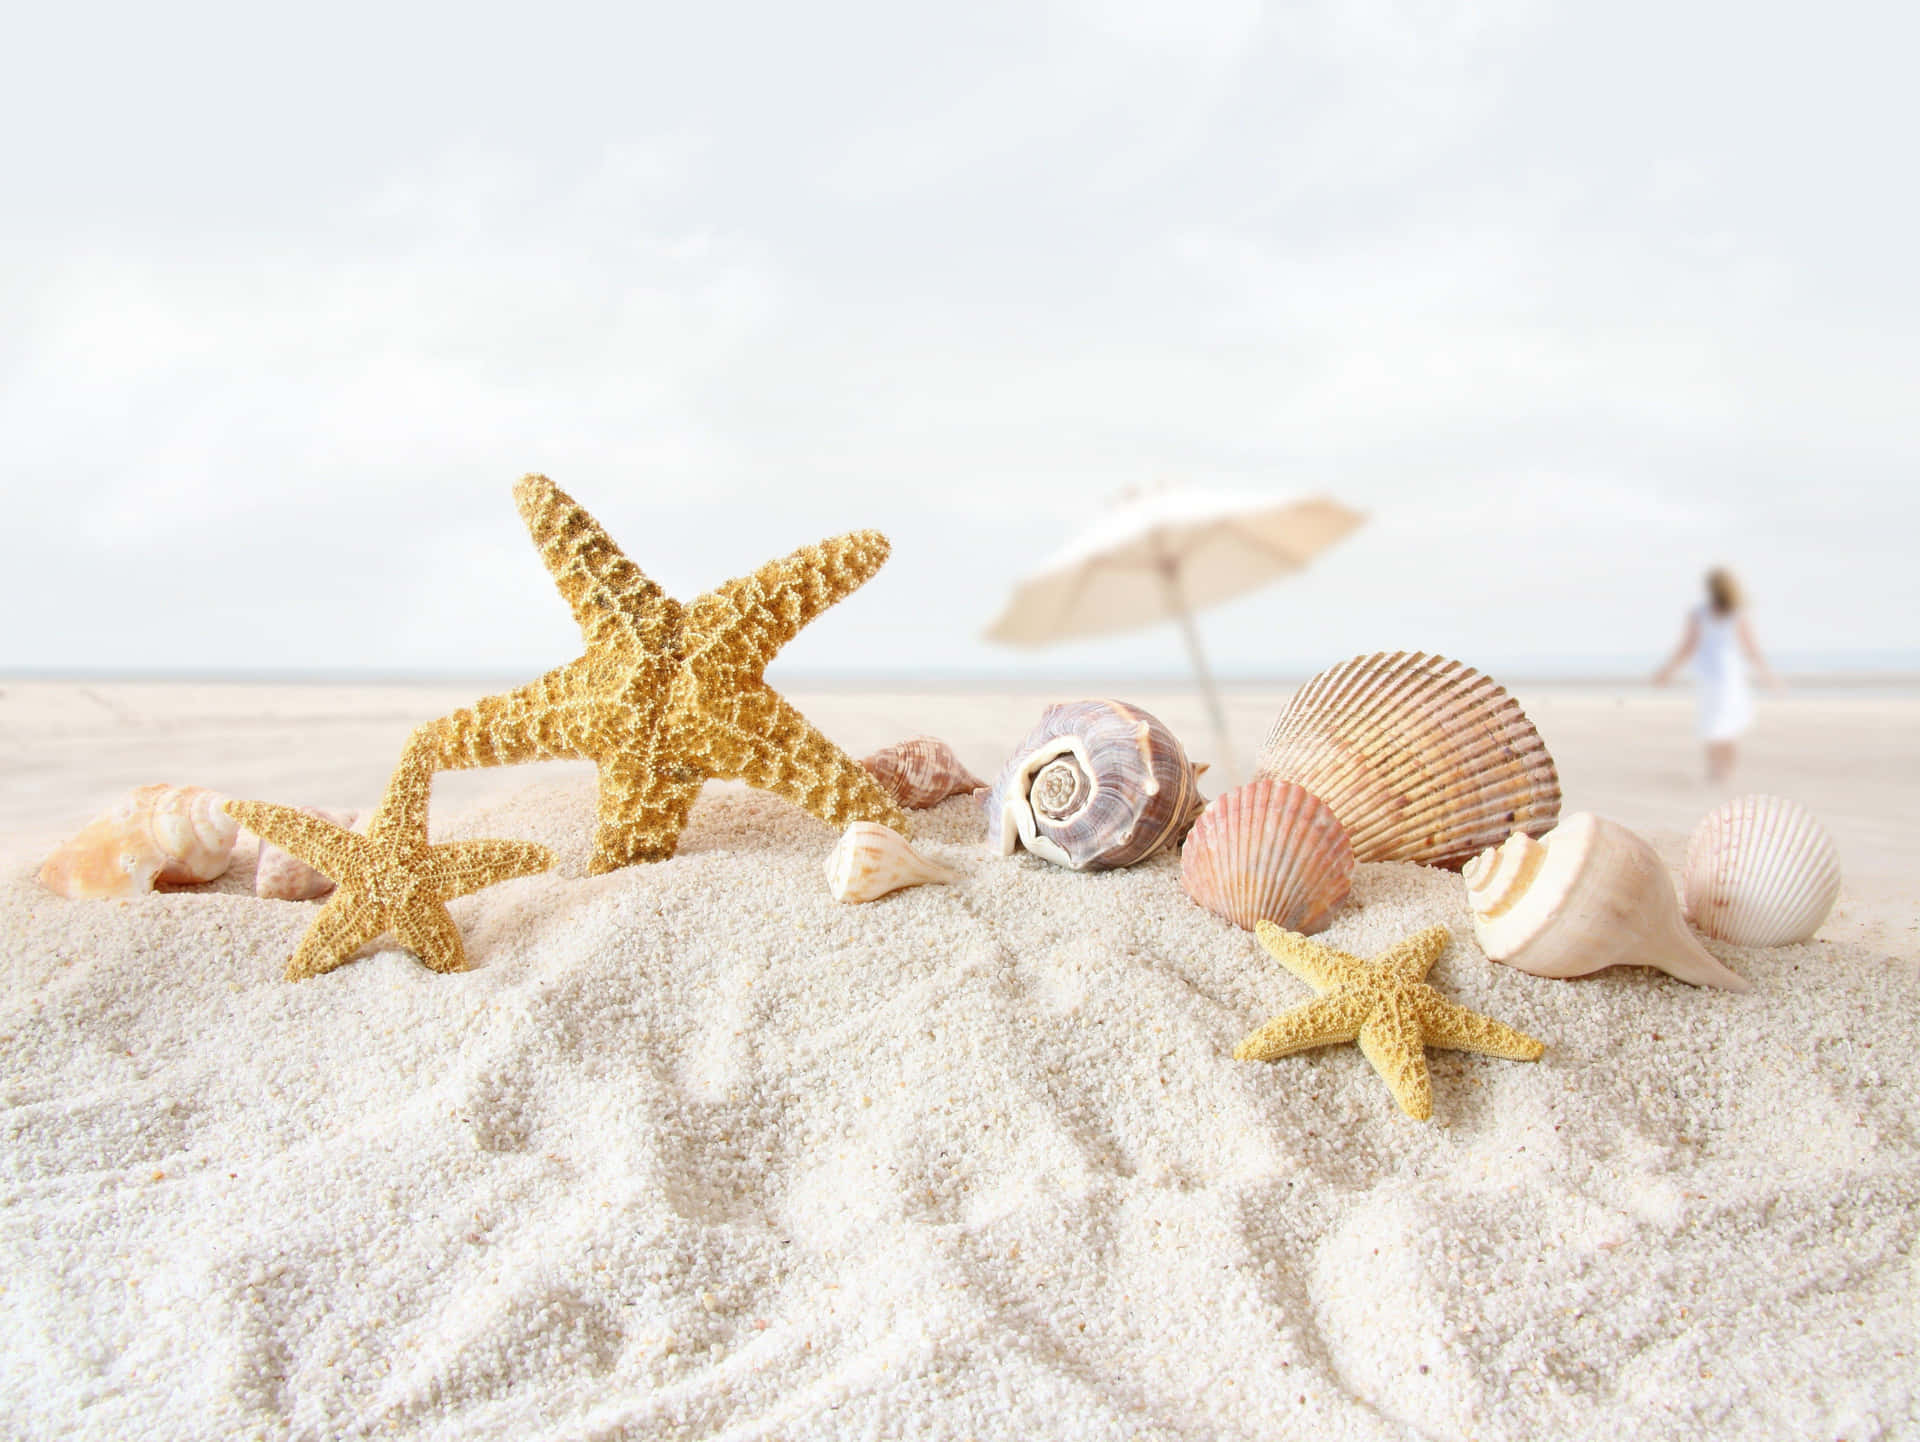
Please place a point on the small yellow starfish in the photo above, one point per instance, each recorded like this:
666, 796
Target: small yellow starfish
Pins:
391, 879
1386, 1005
667, 696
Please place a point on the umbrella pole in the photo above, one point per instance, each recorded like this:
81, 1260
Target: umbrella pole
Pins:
1178, 605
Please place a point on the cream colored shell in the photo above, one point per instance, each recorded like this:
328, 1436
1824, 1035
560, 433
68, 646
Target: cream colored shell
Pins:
1588, 895
871, 860
174, 835
1422, 758
1760, 871
1268, 851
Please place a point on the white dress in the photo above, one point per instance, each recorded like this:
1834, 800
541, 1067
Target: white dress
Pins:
1726, 697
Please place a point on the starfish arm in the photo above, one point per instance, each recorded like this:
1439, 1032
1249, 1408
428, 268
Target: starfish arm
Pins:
345, 924
331, 850
761, 739
426, 930
1391, 1040
643, 807
1449, 1024
459, 868
1412, 959
610, 597
1320, 967
546, 720
402, 812
1322, 1022
744, 623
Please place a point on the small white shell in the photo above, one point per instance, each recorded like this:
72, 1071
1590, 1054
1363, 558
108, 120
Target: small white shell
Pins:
1760, 871
1588, 895
921, 772
177, 835
1268, 851
871, 860
281, 876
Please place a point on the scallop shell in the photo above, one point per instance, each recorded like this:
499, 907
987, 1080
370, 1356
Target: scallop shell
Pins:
176, 835
1760, 871
281, 876
921, 772
871, 860
1422, 759
1095, 785
1588, 895
1268, 851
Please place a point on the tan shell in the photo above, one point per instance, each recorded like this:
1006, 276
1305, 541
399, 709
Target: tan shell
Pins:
176, 835
281, 876
1588, 895
871, 860
1268, 851
921, 772
1760, 871
1095, 785
1422, 759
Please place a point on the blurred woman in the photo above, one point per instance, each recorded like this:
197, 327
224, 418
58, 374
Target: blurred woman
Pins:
1721, 644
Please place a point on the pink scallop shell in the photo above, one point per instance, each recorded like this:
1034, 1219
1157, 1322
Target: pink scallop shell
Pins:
1269, 851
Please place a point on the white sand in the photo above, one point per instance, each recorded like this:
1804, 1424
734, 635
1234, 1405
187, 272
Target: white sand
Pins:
697, 1152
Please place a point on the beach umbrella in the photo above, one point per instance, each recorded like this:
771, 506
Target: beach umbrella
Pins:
1160, 556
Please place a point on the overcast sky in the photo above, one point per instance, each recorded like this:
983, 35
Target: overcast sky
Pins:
1573, 299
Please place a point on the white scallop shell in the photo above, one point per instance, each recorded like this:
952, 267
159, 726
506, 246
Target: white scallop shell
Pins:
871, 860
1760, 871
1588, 895
176, 835
1268, 851
1422, 759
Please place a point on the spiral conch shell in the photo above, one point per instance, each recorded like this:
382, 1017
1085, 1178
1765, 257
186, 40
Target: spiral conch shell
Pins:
1422, 759
1588, 895
1760, 871
921, 772
871, 860
281, 876
1095, 785
1268, 851
176, 835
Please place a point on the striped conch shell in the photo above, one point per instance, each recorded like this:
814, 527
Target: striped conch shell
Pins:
1268, 851
281, 876
176, 835
921, 772
1588, 895
1422, 759
1096, 785
1760, 871
871, 860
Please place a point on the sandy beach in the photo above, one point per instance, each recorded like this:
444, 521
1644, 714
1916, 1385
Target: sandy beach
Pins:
694, 1151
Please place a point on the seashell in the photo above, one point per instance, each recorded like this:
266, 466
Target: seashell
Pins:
1760, 871
871, 860
1588, 895
281, 876
158, 834
920, 773
1422, 759
1268, 851
1095, 785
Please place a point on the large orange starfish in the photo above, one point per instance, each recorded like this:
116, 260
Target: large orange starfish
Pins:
667, 696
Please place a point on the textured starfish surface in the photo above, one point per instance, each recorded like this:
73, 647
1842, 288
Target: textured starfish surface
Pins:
668, 696
390, 879
1386, 1005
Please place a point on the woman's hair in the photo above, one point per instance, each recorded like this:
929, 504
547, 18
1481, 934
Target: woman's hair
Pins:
1723, 592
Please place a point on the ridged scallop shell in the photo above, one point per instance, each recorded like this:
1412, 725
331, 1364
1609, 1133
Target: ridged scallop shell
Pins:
871, 860
921, 772
1268, 851
1588, 895
176, 835
1760, 871
1422, 758
1095, 785
281, 876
